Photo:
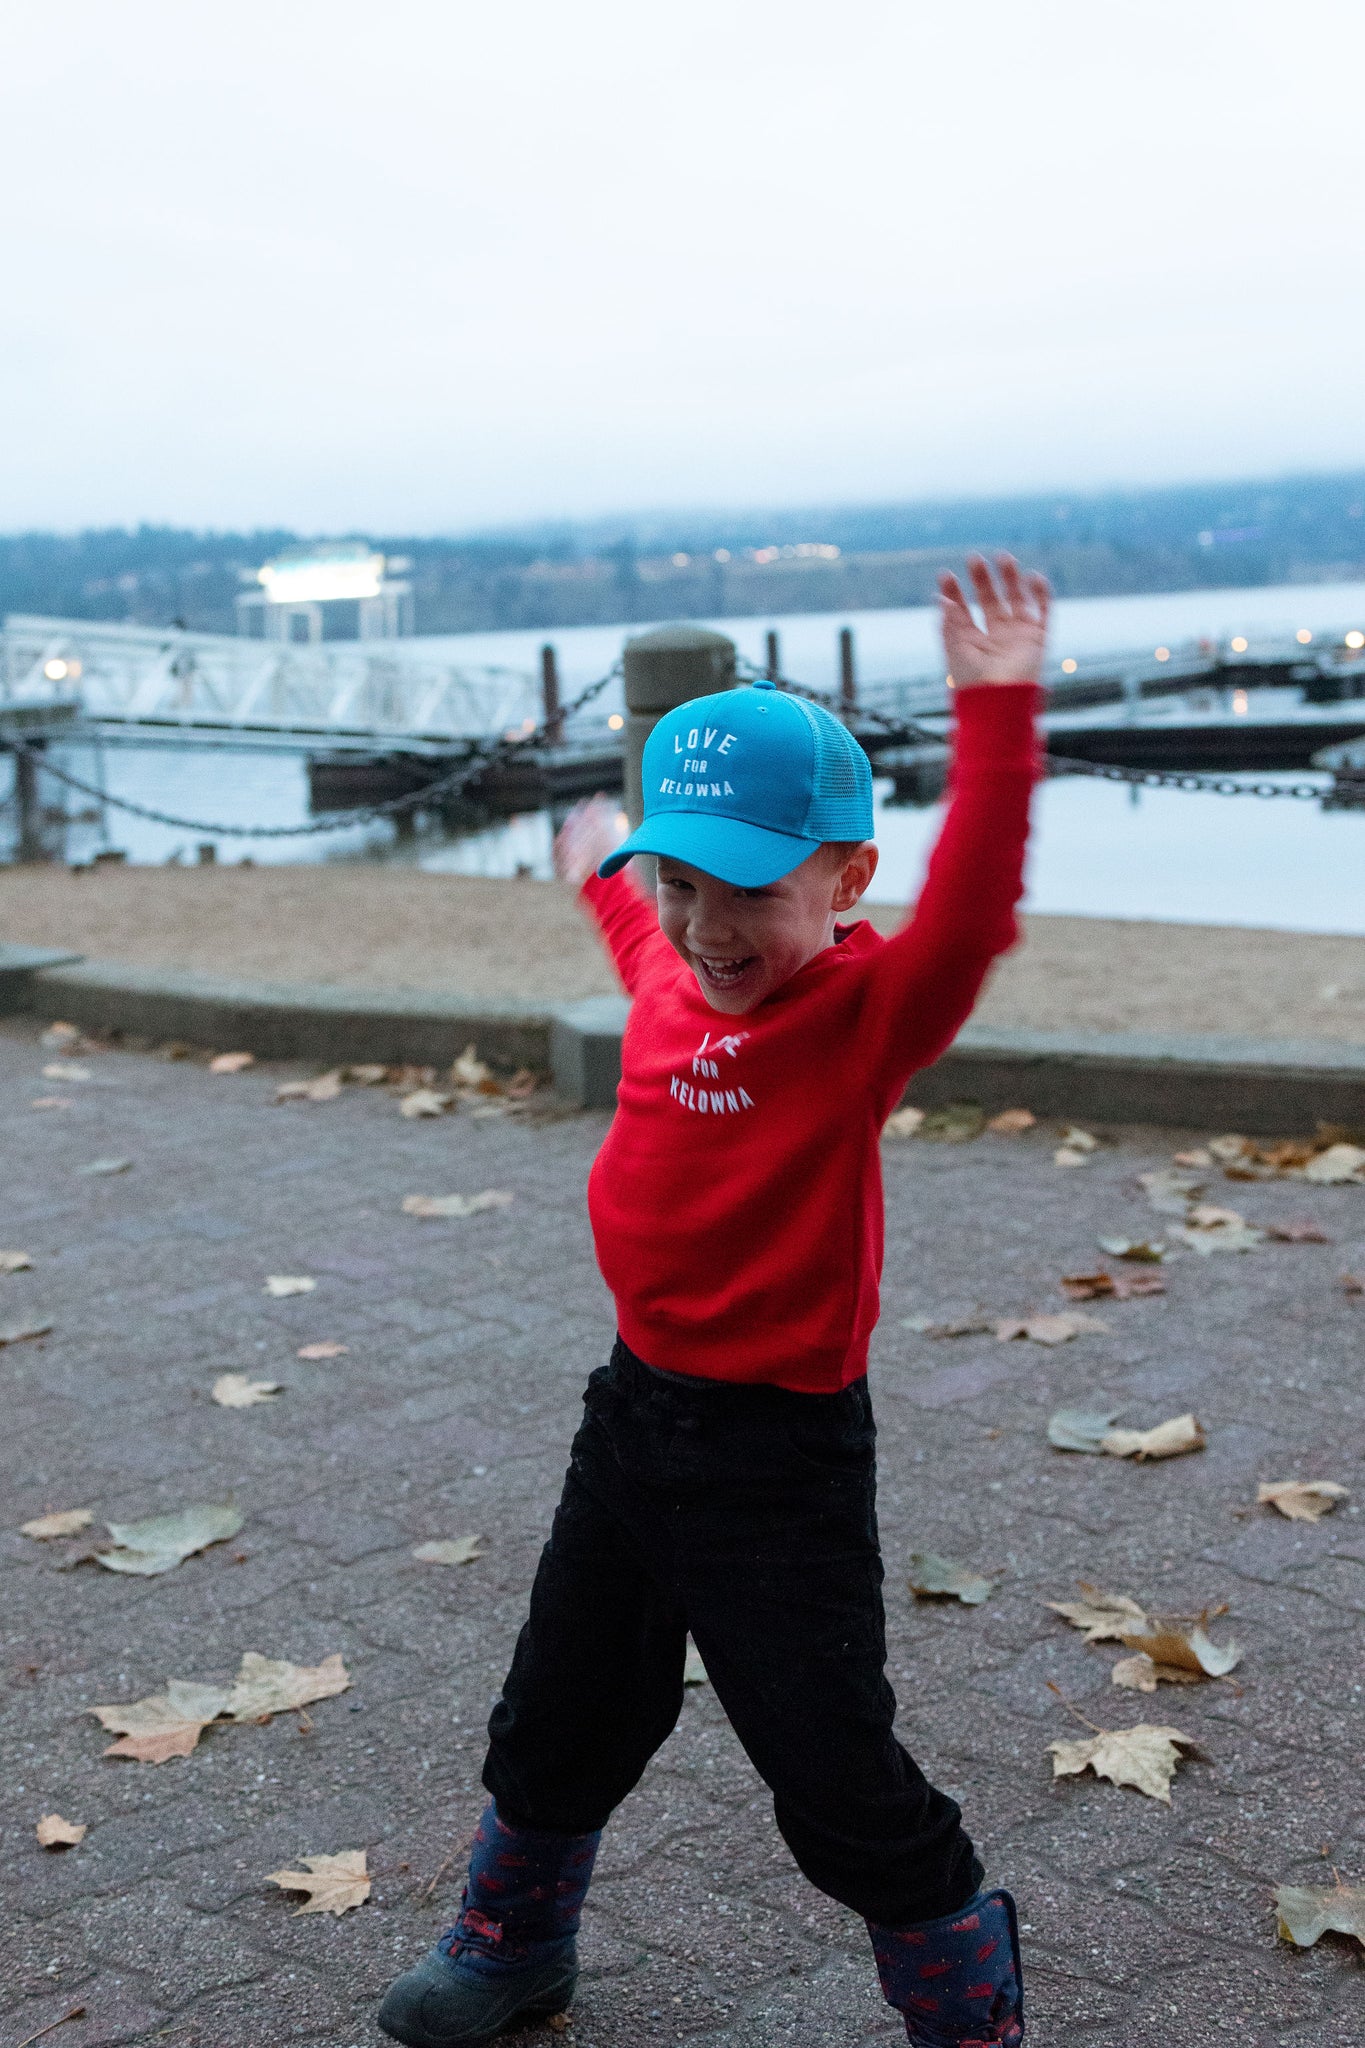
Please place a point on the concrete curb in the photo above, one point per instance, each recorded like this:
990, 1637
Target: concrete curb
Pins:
1269, 1088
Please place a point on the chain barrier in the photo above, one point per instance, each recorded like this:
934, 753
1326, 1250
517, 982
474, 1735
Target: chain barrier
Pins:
906, 732
446, 786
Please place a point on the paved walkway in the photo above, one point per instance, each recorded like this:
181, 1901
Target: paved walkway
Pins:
449, 1415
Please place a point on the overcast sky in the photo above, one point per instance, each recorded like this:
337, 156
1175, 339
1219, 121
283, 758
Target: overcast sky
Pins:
434, 264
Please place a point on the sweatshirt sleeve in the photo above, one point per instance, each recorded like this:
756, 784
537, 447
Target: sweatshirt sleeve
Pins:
924, 982
629, 926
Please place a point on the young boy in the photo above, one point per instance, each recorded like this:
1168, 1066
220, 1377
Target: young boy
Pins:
723, 1478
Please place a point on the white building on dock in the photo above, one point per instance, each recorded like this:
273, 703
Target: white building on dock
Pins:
300, 581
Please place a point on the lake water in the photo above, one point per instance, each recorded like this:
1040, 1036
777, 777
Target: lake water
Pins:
1099, 849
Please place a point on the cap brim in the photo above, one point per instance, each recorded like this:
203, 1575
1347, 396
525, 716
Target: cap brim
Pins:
747, 856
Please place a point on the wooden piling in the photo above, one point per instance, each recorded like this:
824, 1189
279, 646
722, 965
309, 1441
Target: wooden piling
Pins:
774, 666
549, 695
848, 676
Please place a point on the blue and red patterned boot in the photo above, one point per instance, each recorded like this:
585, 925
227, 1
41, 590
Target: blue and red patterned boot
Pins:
958, 1981
511, 1956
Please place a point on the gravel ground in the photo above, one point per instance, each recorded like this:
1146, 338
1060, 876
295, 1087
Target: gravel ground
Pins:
450, 1415
394, 927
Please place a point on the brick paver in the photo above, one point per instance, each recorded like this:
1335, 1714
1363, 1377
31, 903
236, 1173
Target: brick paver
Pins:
450, 1415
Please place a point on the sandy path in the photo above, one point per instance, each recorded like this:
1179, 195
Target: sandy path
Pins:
396, 927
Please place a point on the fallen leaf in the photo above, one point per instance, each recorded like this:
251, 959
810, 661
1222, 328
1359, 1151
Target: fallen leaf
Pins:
1336, 1166
455, 1205
272, 1685
55, 1833
1170, 1192
1080, 1429
102, 1166
1104, 1286
281, 1285
334, 1884
903, 1123
1140, 1251
161, 1542
1102, 1617
694, 1671
25, 1327
1350, 1283
424, 1102
958, 1326
165, 1724
1301, 1500
943, 1578
522, 1085
1200, 1157
1077, 1140
1135, 1674
956, 1123
458, 1550
1011, 1122
59, 1034
15, 1262
1208, 1228
322, 1088
235, 1390
1297, 1230
367, 1074
51, 1102
323, 1350
1307, 1912
1228, 1150
232, 1062
1058, 1329
1145, 1757
469, 1071
66, 1523
1183, 1648
1168, 1440
1071, 1155
65, 1070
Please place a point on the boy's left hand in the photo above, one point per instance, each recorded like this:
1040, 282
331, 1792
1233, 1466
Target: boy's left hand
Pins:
1010, 648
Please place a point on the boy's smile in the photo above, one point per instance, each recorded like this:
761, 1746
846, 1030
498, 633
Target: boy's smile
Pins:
742, 944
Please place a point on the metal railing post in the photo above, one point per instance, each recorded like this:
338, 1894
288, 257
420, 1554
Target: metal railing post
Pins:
663, 669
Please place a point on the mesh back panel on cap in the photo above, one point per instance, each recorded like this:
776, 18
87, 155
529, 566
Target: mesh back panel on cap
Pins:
841, 792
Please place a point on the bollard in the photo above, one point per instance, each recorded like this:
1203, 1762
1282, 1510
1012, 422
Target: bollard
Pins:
774, 668
848, 678
663, 669
549, 696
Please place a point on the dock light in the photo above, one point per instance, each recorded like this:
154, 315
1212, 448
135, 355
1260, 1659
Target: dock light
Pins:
1238, 644
1239, 703
1355, 639
680, 561
1163, 653
616, 721
528, 725
1303, 636
55, 670
1068, 667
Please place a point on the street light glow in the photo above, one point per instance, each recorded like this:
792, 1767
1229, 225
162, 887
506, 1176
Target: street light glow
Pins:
1068, 667
1303, 636
616, 721
1238, 644
1163, 653
55, 670
1240, 703
1355, 639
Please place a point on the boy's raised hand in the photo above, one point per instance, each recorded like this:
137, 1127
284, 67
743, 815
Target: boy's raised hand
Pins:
591, 831
1010, 646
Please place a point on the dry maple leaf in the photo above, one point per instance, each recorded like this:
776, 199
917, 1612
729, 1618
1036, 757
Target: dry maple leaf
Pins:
59, 1033
1102, 1617
65, 1070
1011, 1122
1145, 1757
65, 1523
232, 1062
282, 1285
1142, 1251
272, 1685
15, 1262
1200, 1157
942, 1578
903, 1123
1168, 1440
161, 1542
1349, 1283
457, 1550
1184, 1649
325, 1349
1058, 1329
1170, 1192
236, 1390
1081, 1429
1297, 1230
1336, 1166
469, 1071
455, 1205
1307, 1912
24, 1327
367, 1075
99, 1168
424, 1102
958, 1326
1135, 1674
1102, 1286
1301, 1500
522, 1085
333, 1883
165, 1724
55, 1833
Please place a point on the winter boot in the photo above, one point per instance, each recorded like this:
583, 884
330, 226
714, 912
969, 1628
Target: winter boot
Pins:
511, 1956
958, 1981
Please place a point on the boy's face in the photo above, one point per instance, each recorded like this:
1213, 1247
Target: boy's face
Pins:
743, 943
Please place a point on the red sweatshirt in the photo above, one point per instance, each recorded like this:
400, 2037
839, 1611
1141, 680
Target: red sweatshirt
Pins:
736, 1204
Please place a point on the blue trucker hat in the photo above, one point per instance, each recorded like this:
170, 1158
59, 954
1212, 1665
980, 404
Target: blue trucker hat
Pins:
746, 784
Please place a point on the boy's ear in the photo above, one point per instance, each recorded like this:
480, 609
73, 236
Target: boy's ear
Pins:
855, 875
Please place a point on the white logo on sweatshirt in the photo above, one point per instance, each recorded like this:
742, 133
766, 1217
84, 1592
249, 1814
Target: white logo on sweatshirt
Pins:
706, 1067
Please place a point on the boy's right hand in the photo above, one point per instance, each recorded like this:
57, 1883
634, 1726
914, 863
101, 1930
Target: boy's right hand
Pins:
1011, 645
591, 831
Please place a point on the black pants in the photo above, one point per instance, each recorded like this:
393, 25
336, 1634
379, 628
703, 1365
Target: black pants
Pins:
746, 1515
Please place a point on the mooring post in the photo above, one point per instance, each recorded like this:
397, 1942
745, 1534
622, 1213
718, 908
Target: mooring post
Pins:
549, 696
774, 668
848, 675
30, 845
663, 669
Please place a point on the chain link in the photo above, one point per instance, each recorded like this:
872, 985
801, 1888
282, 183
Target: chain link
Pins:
446, 786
